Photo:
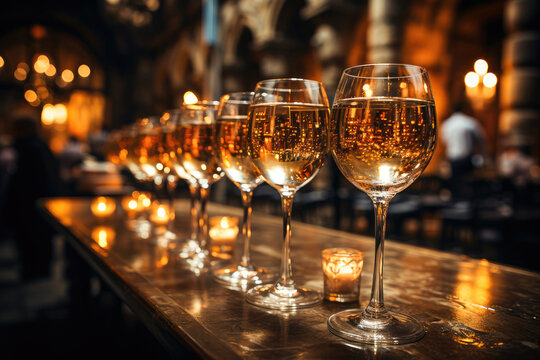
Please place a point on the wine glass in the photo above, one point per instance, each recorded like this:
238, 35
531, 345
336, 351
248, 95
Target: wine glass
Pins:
231, 129
288, 142
383, 134
171, 122
196, 137
152, 159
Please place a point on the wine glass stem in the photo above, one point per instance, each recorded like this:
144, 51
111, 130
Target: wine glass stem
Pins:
246, 228
285, 281
203, 216
171, 187
376, 309
194, 219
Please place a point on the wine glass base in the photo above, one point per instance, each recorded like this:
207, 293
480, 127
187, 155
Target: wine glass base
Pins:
241, 277
400, 329
271, 297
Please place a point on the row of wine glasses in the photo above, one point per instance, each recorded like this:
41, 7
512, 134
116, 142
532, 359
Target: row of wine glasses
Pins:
381, 132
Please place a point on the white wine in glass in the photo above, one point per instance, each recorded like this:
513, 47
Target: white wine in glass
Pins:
288, 143
383, 134
232, 152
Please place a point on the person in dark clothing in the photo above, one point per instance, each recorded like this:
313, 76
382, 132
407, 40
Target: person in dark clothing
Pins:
35, 175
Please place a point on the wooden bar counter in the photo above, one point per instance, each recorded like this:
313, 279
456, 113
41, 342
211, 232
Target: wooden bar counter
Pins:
470, 308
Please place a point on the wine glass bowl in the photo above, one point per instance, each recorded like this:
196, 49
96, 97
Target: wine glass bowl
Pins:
383, 135
288, 143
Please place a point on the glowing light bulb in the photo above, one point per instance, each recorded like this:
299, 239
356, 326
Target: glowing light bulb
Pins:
481, 67
490, 80
472, 79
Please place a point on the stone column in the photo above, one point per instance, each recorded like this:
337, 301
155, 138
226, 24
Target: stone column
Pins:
385, 30
519, 121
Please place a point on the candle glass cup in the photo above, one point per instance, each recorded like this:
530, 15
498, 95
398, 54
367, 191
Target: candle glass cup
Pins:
342, 270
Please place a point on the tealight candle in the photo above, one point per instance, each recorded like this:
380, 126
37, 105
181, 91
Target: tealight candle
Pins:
223, 231
130, 204
161, 214
103, 206
342, 268
104, 236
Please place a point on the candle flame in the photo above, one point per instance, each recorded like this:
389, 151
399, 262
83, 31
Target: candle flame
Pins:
190, 97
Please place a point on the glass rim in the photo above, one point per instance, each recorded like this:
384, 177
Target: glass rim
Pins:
421, 72
237, 101
342, 253
313, 84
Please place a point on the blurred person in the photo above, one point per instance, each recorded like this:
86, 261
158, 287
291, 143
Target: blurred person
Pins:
464, 139
515, 164
35, 175
465, 145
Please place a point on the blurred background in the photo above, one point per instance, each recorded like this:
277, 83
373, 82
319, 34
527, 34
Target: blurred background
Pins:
79, 70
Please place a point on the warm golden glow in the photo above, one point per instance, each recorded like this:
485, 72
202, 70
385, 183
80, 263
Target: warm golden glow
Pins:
190, 98
490, 80
60, 113
103, 206
161, 214
104, 236
472, 79
481, 67
51, 70
42, 64
20, 74
386, 174
67, 75
30, 96
48, 114
473, 288
84, 70
2, 62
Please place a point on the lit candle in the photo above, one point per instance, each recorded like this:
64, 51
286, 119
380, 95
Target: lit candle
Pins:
161, 214
342, 268
104, 236
103, 206
131, 204
222, 233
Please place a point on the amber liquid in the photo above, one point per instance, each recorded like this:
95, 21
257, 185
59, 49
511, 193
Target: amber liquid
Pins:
232, 146
198, 155
288, 142
147, 152
382, 145
171, 156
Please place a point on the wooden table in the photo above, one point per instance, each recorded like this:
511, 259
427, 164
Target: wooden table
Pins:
470, 308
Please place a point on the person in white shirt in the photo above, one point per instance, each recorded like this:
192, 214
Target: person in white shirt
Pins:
465, 141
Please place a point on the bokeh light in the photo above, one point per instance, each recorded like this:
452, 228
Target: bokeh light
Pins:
51, 70
48, 114
84, 70
30, 96
60, 113
490, 80
481, 67
472, 79
42, 64
67, 75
